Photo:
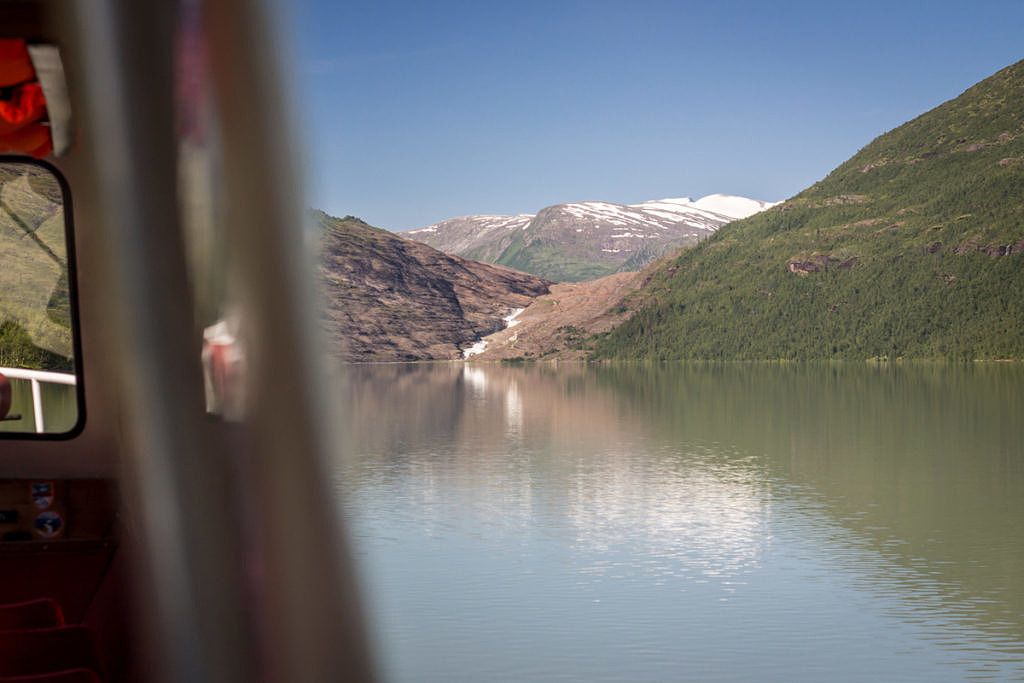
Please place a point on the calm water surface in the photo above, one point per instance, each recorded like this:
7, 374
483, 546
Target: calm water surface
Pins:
679, 522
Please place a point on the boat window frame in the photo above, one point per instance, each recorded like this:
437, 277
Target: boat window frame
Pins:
76, 340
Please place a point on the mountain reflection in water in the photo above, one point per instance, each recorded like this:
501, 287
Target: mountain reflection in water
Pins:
669, 522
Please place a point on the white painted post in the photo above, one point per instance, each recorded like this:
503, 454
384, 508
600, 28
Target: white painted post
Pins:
37, 405
36, 379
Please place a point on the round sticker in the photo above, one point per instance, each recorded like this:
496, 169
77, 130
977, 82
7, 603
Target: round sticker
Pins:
49, 524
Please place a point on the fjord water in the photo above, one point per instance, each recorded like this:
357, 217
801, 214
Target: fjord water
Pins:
689, 522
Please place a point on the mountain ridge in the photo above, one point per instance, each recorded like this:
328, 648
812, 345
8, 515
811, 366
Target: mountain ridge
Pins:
578, 241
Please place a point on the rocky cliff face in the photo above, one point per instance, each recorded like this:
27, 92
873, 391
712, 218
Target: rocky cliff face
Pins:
586, 240
392, 299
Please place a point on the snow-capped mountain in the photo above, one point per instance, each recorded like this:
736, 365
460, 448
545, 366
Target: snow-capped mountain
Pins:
732, 206
482, 238
584, 240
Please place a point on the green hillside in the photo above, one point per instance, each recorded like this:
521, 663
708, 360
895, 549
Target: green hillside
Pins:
550, 260
913, 248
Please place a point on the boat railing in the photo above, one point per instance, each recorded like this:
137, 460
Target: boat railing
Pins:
37, 378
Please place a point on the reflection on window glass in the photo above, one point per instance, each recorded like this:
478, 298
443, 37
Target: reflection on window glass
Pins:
37, 364
211, 266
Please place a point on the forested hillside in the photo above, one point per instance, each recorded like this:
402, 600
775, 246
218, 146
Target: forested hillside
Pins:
913, 248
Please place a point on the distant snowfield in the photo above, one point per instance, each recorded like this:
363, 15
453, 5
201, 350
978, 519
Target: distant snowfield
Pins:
706, 213
734, 207
485, 222
712, 209
601, 234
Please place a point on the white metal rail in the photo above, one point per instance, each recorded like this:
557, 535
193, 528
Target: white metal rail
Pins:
37, 378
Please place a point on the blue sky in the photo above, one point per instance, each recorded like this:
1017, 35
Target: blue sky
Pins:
417, 111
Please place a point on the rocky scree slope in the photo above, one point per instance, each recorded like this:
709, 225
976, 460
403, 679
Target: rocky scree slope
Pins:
392, 299
558, 324
913, 248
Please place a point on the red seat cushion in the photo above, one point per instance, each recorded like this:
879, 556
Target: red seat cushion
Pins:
42, 613
67, 572
69, 676
47, 650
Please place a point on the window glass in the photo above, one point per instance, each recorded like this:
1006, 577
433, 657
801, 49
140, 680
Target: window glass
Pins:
38, 383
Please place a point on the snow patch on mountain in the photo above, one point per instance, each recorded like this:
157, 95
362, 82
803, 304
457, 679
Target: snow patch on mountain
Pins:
700, 213
732, 206
480, 345
510, 319
601, 233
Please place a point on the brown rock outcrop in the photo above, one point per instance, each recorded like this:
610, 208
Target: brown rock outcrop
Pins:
392, 299
816, 263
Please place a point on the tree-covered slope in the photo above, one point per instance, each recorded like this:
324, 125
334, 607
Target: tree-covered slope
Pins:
912, 248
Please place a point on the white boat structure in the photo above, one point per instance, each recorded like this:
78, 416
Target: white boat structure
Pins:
37, 378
